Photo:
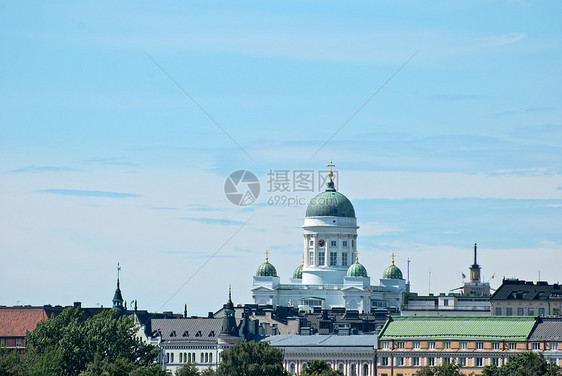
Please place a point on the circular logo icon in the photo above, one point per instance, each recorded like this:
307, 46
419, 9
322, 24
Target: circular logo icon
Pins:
242, 188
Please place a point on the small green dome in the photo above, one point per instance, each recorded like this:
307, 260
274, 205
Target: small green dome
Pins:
298, 272
392, 272
266, 270
330, 204
356, 270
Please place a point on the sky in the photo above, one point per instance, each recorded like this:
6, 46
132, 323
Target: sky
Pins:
120, 123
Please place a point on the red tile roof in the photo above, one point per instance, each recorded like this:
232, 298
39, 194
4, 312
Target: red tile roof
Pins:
16, 322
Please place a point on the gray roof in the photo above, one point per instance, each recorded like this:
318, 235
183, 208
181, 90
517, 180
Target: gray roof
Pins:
288, 340
514, 289
547, 329
182, 329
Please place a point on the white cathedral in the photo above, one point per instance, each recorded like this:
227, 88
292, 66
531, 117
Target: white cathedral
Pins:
330, 275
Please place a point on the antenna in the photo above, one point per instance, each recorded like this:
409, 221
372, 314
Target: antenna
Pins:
409, 274
429, 287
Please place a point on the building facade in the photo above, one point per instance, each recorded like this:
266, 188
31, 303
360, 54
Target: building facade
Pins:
330, 275
408, 343
352, 355
523, 298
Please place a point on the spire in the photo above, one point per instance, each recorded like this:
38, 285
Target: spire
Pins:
331, 176
475, 249
185, 311
118, 297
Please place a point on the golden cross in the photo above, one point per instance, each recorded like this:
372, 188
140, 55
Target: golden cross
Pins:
356, 256
393, 258
266, 255
331, 174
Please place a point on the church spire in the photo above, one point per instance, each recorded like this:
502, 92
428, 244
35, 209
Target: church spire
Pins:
118, 297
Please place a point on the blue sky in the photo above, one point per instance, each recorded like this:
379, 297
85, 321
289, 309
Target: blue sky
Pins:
111, 148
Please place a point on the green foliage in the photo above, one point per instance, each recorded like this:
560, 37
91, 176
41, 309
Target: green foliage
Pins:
252, 359
187, 370
105, 345
10, 363
525, 364
445, 369
319, 368
208, 372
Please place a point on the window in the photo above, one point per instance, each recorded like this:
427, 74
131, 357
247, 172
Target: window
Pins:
384, 361
446, 302
495, 361
479, 345
2, 341
554, 345
181, 357
334, 243
431, 361
344, 243
400, 345
344, 258
173, 333
531, 312
340, 366
495, 345
462, 362
498, 311
445, 360
478, 362
365, 370
352, 243
541, 311
520, 311
536, 345
185, 334
512, 345
311, 258
431, 345
212, 333
206, 357
415, 361
399, 361
292, 368
202, 358
321, 258
333, 258
172, 357
198, 334
353, 369
384, 345
462, 345
167, 357
416, 345
509, 311
446, 345
210, 357
311, 243
19, 342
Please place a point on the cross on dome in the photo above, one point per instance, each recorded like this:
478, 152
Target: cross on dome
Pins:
331, 174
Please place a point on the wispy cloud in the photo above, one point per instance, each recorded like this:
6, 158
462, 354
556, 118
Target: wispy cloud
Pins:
162, 208
117, 161
503, 39
38, 169
88, 193
214, 221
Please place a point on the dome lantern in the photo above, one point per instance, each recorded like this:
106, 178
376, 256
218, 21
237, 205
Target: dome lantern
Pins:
392, 272
266, 269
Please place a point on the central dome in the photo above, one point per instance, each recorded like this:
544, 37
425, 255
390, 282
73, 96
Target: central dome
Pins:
330, 204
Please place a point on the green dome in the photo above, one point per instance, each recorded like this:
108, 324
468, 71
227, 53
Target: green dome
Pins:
298, 273
266, 270
356, 270
330, 204
392, 272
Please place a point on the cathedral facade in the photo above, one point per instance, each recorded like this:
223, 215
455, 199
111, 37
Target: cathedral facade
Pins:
330, 275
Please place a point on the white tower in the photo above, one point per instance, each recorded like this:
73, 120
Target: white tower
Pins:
330, 237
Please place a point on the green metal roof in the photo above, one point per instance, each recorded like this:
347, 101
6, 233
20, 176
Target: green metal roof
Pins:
330, 204
392, 272
484, 328
266, 270
356, 270
298, 272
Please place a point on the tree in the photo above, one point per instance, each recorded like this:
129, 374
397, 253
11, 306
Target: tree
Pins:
319, 368
252, 359
187, 370
525, 364
10, 363
105, 345
445, 369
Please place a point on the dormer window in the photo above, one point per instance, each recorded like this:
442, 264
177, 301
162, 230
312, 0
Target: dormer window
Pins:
173, 334
212, 333
186, 334
198, 334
